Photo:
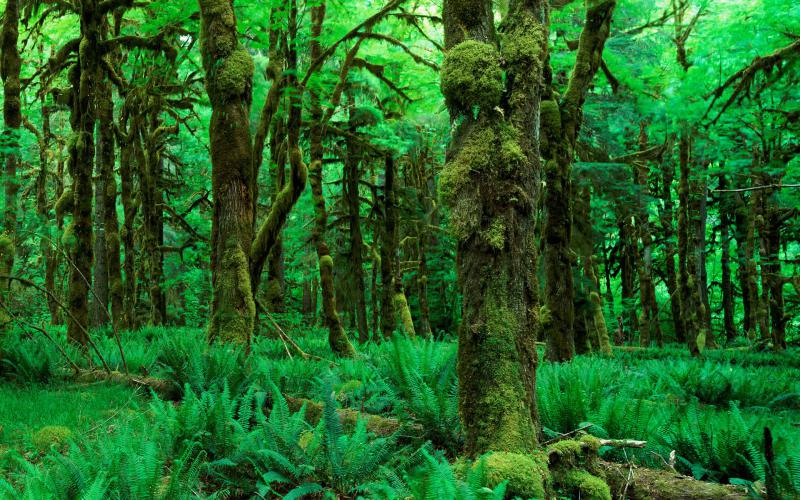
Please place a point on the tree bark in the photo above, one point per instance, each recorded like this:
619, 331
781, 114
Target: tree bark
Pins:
229, 72
10, 64
668, 230
726, 208
489, 182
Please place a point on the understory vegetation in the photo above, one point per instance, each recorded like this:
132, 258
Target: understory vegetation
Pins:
242, 425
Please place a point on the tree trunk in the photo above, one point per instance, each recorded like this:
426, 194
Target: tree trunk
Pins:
12, 119
352, 199
691, 305
337, 339
649, 327
489, 182
700, 207
229, 71
667, 218
82, 149
129, 209
726, 208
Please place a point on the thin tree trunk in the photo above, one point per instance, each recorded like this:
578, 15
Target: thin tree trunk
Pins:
691, 304
667, 225
726, 208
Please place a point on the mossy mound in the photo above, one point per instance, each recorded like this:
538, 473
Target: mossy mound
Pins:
51, 435
585, 485
233, 76
471, 76
527, 475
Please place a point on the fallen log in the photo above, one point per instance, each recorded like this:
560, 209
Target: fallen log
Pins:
630, 482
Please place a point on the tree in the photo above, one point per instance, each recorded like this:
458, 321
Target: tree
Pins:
489, 183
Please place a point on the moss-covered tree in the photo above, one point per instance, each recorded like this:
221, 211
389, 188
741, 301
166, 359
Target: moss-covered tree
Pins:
490, 184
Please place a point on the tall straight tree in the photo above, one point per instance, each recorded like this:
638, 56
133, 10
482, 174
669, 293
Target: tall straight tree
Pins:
490, 183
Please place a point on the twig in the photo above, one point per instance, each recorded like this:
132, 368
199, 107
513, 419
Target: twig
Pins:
567, 435
285, 337
757, 188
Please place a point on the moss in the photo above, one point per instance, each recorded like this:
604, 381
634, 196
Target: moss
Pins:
234, 315
471, 76
495, 235
68, 238
403, 313
585, 485
523, 43
526, 474
64, 203
306, 438
326, 261
568, 452
233, 75
51, 435
490, 151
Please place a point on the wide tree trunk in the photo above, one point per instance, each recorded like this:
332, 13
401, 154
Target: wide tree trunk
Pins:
489, 183
229, 73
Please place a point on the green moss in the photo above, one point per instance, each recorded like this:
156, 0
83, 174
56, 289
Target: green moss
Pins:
234, 316
523, 44
526, 474
233, 75
68, 238
568, 451
471, 76
585, 485
64, 203
403, 313
490, 151
326, 261
495, 236
51, 435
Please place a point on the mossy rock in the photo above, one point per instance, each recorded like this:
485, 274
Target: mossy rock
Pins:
51, 435
471, 76
585, 485
526, 474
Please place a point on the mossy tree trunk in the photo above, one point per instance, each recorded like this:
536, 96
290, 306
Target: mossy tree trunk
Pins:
130, 207
229, 72
388, 250
84, 78
649, 327
489, 182
10, 64
691, 305
337, 338
726, 209
352, 199
668, 230
561, 122
104, 153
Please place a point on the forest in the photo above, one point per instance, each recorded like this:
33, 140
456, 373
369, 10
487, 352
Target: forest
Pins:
400, 249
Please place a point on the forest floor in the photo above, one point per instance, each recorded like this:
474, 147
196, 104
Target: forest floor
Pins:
701, 417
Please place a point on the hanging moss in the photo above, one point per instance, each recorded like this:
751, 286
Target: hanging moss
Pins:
527, 475
472, 77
